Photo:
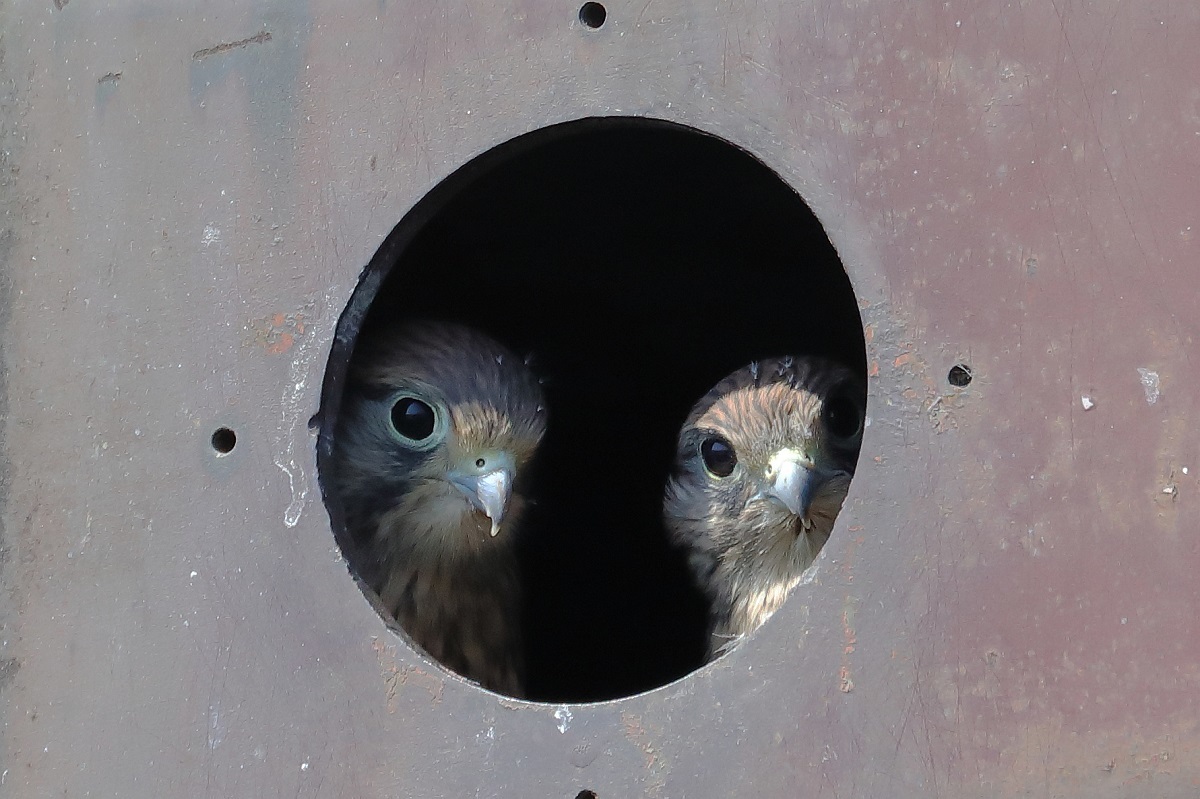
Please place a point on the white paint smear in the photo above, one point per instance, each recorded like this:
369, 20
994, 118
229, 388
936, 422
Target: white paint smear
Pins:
1149, 384
293, 426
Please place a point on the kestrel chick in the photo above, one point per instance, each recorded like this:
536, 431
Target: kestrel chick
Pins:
763, 465
437, 425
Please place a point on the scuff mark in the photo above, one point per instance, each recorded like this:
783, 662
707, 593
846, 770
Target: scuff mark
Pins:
655, 765
1150, 384
216, 730
217, 49
849, 605
8, 671
850, 639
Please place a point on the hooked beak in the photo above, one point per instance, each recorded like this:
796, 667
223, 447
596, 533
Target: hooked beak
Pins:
488, 492
793, 481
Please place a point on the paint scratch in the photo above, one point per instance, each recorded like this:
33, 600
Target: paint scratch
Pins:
217, 49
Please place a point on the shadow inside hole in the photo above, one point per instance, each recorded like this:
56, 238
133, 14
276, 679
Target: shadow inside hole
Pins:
959, 376
223, 440
639, 262
592, 14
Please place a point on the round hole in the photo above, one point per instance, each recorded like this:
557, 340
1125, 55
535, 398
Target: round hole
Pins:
224, 440
592, 14
585, 794
600, 322
960, 375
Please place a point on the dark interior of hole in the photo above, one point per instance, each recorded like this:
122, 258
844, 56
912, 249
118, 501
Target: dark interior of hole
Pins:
959, 375
639, 262
592, 14
224, 440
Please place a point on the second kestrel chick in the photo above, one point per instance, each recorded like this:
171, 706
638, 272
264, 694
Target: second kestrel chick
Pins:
763, 464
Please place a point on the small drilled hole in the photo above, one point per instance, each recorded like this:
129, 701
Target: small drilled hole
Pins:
224, 440
960, 375
586, 795
592, 14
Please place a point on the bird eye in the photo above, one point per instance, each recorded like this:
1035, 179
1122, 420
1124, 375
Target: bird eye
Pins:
719, 456
842, 417
413, 418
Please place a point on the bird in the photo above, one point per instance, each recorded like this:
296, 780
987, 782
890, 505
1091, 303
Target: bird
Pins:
761, 469
433, 444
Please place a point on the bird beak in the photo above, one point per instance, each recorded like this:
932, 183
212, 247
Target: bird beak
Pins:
488, 492
793, 481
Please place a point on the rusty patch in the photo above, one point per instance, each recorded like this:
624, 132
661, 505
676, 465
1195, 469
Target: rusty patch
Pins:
276, 333
924, 391
395, 677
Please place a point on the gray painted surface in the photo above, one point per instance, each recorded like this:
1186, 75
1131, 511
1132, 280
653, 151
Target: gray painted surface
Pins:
1009, 605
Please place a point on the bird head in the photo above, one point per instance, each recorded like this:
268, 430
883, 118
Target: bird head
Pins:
436, 428
765, 459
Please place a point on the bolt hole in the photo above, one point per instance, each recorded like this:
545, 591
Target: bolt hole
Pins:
960, 375
586, 795
592, 14
224, 440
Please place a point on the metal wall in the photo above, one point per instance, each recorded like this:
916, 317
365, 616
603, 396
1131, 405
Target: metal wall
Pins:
1009, 604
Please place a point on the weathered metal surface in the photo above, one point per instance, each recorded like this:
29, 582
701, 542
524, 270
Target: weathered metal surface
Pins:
1008, 607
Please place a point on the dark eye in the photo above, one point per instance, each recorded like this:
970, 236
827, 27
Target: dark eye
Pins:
719, 457
842, 417
413, 419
